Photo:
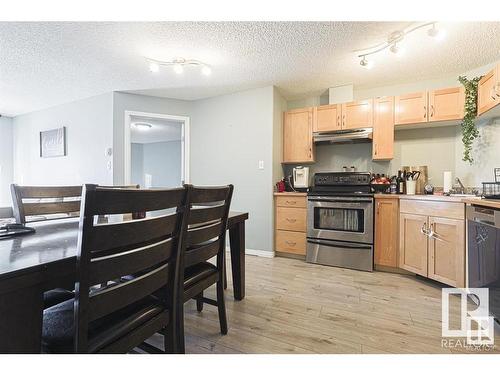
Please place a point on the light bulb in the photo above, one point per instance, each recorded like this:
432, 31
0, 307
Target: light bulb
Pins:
367, 64
206, 70
154, 67
178, 68
143, 126
437, 34
397, 50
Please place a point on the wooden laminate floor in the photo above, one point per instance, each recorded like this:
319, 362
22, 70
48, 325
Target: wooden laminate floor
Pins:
295, 307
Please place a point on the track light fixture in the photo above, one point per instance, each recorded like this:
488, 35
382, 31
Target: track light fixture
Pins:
394, 41
178, 65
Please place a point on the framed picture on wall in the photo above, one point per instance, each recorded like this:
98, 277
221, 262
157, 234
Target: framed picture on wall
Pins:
53, 143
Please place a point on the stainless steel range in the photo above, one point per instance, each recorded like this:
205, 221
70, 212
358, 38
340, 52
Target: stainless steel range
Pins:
340, 220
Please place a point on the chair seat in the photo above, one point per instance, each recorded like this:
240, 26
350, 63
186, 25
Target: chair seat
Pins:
58, 325
198, 272
56, 296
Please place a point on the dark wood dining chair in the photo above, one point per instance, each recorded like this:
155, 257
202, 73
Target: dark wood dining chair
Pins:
120, 316
204, 237
36, 203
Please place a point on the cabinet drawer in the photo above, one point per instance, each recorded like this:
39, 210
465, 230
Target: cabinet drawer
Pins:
451, 210
288, 218
291, 201
291, 242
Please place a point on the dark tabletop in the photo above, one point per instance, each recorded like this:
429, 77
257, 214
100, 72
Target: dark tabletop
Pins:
53, 241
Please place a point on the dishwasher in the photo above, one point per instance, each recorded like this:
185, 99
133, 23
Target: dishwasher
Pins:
483, 227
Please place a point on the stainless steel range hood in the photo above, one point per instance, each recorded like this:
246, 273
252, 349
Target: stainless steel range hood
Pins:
362, 135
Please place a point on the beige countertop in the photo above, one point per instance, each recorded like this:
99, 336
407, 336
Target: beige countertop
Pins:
291, 194
434, 197
483, 202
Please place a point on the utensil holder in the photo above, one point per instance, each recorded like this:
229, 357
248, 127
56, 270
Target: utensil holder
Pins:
411, 187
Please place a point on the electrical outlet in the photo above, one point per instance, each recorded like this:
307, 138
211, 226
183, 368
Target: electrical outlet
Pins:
261, 164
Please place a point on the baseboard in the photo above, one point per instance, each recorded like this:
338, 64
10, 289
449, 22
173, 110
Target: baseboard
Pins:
259, 253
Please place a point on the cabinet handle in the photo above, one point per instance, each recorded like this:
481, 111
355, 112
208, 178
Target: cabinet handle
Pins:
425, 111
291, 202
376, 149
291, 243
338, 120
291, 220
423, 230
434, 235
343, 120
432, 111
378, 207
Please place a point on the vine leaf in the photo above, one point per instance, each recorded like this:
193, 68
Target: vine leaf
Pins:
469, 130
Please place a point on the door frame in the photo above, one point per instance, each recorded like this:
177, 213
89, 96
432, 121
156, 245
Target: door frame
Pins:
127, 153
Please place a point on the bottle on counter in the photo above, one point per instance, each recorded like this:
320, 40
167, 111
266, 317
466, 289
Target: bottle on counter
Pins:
401, 183
394, 185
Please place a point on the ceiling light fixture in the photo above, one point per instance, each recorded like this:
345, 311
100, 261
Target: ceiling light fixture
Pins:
367, 64
393, 42
178, 64
142, 126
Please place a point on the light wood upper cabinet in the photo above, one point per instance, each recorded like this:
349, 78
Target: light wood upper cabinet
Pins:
386, 231
447, 104
413, 243
488, 90
383, 128
357, 114
446, 251
411, 108
327, 118
297, 136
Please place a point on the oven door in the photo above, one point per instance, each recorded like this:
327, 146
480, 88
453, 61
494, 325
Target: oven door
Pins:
340, 218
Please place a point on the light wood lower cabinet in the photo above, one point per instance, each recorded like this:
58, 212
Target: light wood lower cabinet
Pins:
386, 232
446, 255
433, 246
413, 244
290, 223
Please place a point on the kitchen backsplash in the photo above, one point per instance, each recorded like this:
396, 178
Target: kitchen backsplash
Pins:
440, 149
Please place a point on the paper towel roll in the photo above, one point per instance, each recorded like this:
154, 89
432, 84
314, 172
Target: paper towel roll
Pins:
447, 181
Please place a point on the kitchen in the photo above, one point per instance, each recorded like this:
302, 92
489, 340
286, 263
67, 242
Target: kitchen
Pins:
368, 185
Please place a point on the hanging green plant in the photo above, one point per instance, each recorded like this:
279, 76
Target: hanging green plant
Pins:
469, 130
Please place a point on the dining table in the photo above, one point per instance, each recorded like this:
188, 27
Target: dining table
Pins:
46, 259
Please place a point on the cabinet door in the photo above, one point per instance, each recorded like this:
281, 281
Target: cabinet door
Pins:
297, 136
357, 114
411, 108
383, 129
447, 251
447, 104
386, 231
327, 118
488, 91
413, 243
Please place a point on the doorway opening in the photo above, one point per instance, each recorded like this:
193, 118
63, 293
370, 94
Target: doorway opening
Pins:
156, 150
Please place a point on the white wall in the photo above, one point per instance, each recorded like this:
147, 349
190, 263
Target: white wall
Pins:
6, 160
161, 160
141, 103
229, 135
89, 131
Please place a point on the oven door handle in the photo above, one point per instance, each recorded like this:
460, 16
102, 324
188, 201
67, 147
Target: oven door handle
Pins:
339, 244
340, 200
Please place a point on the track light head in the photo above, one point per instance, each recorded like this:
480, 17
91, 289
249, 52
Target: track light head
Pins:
367, 64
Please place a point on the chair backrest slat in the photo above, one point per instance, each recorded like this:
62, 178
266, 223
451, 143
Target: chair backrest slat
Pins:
118, 235
113, 266
117, 296
208, 194
48, 208
109, 201
56, 200
202, 253
149, 248
199, 235
204, 215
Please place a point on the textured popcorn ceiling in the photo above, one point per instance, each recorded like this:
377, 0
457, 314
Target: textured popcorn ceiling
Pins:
45, 64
